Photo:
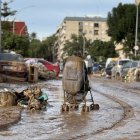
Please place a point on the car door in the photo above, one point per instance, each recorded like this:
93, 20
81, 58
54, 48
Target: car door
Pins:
126, 67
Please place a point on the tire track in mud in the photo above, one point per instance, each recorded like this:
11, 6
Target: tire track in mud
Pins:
128, 112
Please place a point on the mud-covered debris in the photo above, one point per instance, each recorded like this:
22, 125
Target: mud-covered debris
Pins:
7, 98
30, 98
33, 98
12, 68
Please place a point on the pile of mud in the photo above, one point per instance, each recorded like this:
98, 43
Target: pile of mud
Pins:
9, 116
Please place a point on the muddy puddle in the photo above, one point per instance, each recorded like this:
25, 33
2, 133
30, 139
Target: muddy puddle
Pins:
51, 124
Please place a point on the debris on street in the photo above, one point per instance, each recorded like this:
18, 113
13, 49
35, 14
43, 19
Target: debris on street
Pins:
46, 70
132, 75
13, 71
30, 98
7, 98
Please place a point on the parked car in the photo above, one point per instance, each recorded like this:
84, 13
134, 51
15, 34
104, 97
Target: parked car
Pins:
98, 67
108, 69
12, 67
117, 69
129, 66
46, 70
50, 66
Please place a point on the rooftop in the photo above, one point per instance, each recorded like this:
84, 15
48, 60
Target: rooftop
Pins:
99, 19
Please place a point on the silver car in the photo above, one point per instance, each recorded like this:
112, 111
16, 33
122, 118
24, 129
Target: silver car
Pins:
135, 65
117, 69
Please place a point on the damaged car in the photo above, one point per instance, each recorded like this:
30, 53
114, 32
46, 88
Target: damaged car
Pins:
12, 68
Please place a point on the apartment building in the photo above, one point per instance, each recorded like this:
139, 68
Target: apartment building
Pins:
93, 28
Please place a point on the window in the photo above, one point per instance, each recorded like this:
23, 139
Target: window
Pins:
96, 32
80, 30
96, 25
134, 64
80, 23
90, 32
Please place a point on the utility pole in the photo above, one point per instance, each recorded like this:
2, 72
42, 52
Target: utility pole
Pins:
0, 26
136, 31
14, 20
83, 35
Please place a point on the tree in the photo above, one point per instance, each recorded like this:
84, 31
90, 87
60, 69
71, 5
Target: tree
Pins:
121, 22
75, 44
9, 40
6, 11
42, 49
16, 43
48, 47
33, 36
34, 45
100, 49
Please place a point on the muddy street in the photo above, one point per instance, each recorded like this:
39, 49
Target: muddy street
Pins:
117, 118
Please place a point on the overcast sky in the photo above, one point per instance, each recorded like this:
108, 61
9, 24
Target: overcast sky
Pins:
44, 16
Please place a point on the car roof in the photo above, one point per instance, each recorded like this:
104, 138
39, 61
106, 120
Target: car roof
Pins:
138, 61
10, 57
45, 61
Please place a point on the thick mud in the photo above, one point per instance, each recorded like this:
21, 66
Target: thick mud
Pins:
9, 116
117, 118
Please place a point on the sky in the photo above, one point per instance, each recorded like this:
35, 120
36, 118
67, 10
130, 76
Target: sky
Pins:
44, 16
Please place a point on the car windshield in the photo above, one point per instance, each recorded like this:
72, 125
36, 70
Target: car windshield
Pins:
134, 64
11, 57
127, 64
123, 62
96, 65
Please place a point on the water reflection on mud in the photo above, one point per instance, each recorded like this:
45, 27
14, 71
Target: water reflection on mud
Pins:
52, 124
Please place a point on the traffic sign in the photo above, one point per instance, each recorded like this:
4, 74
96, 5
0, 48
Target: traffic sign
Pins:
136, 48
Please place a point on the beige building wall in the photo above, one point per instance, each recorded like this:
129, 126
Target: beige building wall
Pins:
94, 28
137, 1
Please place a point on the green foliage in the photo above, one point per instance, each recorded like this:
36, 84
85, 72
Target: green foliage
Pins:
102, 49
42, 49
21, 45
11, 41
96, 49
6, 11
48, 47
34, 47
75, 45
121, 22
6, 26
15, 43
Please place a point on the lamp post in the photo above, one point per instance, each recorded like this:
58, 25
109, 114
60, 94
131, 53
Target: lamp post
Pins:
0, 26
83, 35
136, 33
21, 30
18, 13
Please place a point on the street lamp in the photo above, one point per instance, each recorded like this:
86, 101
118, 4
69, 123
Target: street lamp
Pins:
83, 35
18, 13
0, 26
20, 33
136, 33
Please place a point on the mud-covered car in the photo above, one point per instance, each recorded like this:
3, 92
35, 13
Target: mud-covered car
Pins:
117, 68
12, 67
46, 69
132, 68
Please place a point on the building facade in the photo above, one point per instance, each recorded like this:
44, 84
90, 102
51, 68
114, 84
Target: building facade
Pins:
19, 28
93, 28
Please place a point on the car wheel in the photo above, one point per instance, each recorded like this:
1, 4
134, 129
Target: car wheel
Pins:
118, 77
52, 74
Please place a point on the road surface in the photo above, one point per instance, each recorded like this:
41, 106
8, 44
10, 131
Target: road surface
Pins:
117, 119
